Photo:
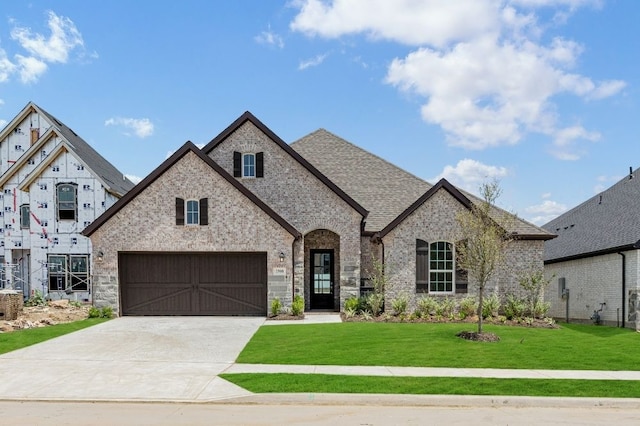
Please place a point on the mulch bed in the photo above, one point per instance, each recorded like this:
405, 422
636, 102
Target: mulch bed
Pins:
478, 337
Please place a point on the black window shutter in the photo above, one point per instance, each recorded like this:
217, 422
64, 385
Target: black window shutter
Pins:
237, 164
179, 211
204, 211
259, 164
422, 266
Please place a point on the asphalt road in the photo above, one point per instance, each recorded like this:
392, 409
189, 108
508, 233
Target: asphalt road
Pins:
61, 413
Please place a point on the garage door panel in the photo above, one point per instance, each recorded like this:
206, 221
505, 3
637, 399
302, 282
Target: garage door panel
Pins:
193, 283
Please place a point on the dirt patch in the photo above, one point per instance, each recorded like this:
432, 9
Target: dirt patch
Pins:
478, 337
283, 317
54, 312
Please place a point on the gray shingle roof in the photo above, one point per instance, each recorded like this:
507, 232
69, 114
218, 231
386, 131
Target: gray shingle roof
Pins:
606, 222
382, 188
115, 181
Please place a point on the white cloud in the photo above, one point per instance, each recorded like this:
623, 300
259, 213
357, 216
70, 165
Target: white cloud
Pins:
63, 39
30, 68
133, 178
6, 66
485, 76
545, 211
3, 123
471, 174
270, 38
313, 62
565, 146
141, 127
434, 22
605, 182
55, 48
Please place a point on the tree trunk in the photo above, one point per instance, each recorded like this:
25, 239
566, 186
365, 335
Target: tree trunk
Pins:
480, 302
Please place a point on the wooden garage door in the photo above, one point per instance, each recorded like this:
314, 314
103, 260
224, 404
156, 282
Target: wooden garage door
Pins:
193, 283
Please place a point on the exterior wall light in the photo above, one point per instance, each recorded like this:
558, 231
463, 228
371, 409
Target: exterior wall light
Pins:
100, 256
281, 256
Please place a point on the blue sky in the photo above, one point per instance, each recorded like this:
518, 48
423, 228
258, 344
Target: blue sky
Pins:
543, 95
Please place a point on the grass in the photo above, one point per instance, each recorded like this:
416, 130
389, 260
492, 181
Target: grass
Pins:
23, 338
324, 383
571, 347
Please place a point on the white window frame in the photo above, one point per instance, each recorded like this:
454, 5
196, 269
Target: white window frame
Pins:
438, 264
248, 170
67, 203
191, 216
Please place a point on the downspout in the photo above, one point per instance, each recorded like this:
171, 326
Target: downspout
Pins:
624, 285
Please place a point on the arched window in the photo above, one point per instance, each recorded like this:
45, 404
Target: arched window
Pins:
67, 201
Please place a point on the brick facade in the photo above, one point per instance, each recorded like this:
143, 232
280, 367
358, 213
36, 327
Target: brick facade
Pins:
147, 223
435, 221
304, 201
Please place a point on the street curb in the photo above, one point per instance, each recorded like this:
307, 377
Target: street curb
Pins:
431, 400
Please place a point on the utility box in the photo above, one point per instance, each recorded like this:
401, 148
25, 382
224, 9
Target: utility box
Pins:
11, 304
562, 288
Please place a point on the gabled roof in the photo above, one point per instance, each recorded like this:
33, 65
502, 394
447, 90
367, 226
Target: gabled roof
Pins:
441, 184
110, 177
606, 223
384, 189
247, 116
166, 165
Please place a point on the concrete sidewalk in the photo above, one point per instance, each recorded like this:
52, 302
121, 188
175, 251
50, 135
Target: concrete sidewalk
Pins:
497, 373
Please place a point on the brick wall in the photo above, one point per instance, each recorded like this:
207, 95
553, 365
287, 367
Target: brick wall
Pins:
592, 281
302, 199
434, 221
147, 223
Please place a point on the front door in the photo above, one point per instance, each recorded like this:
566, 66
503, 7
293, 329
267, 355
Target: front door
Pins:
322, 279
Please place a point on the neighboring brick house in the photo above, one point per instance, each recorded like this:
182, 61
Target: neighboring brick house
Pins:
280, 220
596, 258
53, 184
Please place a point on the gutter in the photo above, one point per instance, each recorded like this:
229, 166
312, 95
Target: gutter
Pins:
624, 285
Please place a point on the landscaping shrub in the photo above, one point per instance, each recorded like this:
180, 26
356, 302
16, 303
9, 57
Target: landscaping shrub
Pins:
426, 306
36, 300
540, 308
445, 307
297, 307
276, 307
375, 303
105, 312
514, 307
490, 306
352, 304
400, 304
468, 307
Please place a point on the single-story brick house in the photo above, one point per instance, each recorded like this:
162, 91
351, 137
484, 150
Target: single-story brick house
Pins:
596, 258
225, 229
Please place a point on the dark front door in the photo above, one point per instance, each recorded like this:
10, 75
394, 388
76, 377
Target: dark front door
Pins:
322, 279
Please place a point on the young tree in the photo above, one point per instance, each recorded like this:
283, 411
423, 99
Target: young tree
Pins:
484, 236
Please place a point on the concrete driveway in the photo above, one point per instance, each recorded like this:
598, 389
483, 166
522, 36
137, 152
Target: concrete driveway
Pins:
133, 359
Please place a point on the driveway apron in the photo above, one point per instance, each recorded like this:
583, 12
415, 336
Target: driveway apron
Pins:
131, 358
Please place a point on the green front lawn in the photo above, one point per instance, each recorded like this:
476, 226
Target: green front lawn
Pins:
22, 338
325, 383
571, 347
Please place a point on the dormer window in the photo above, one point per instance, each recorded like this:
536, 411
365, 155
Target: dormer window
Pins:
248, 164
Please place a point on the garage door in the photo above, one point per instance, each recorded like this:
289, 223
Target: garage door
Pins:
193, 283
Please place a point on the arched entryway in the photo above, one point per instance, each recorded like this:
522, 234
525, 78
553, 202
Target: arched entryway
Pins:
322, 270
